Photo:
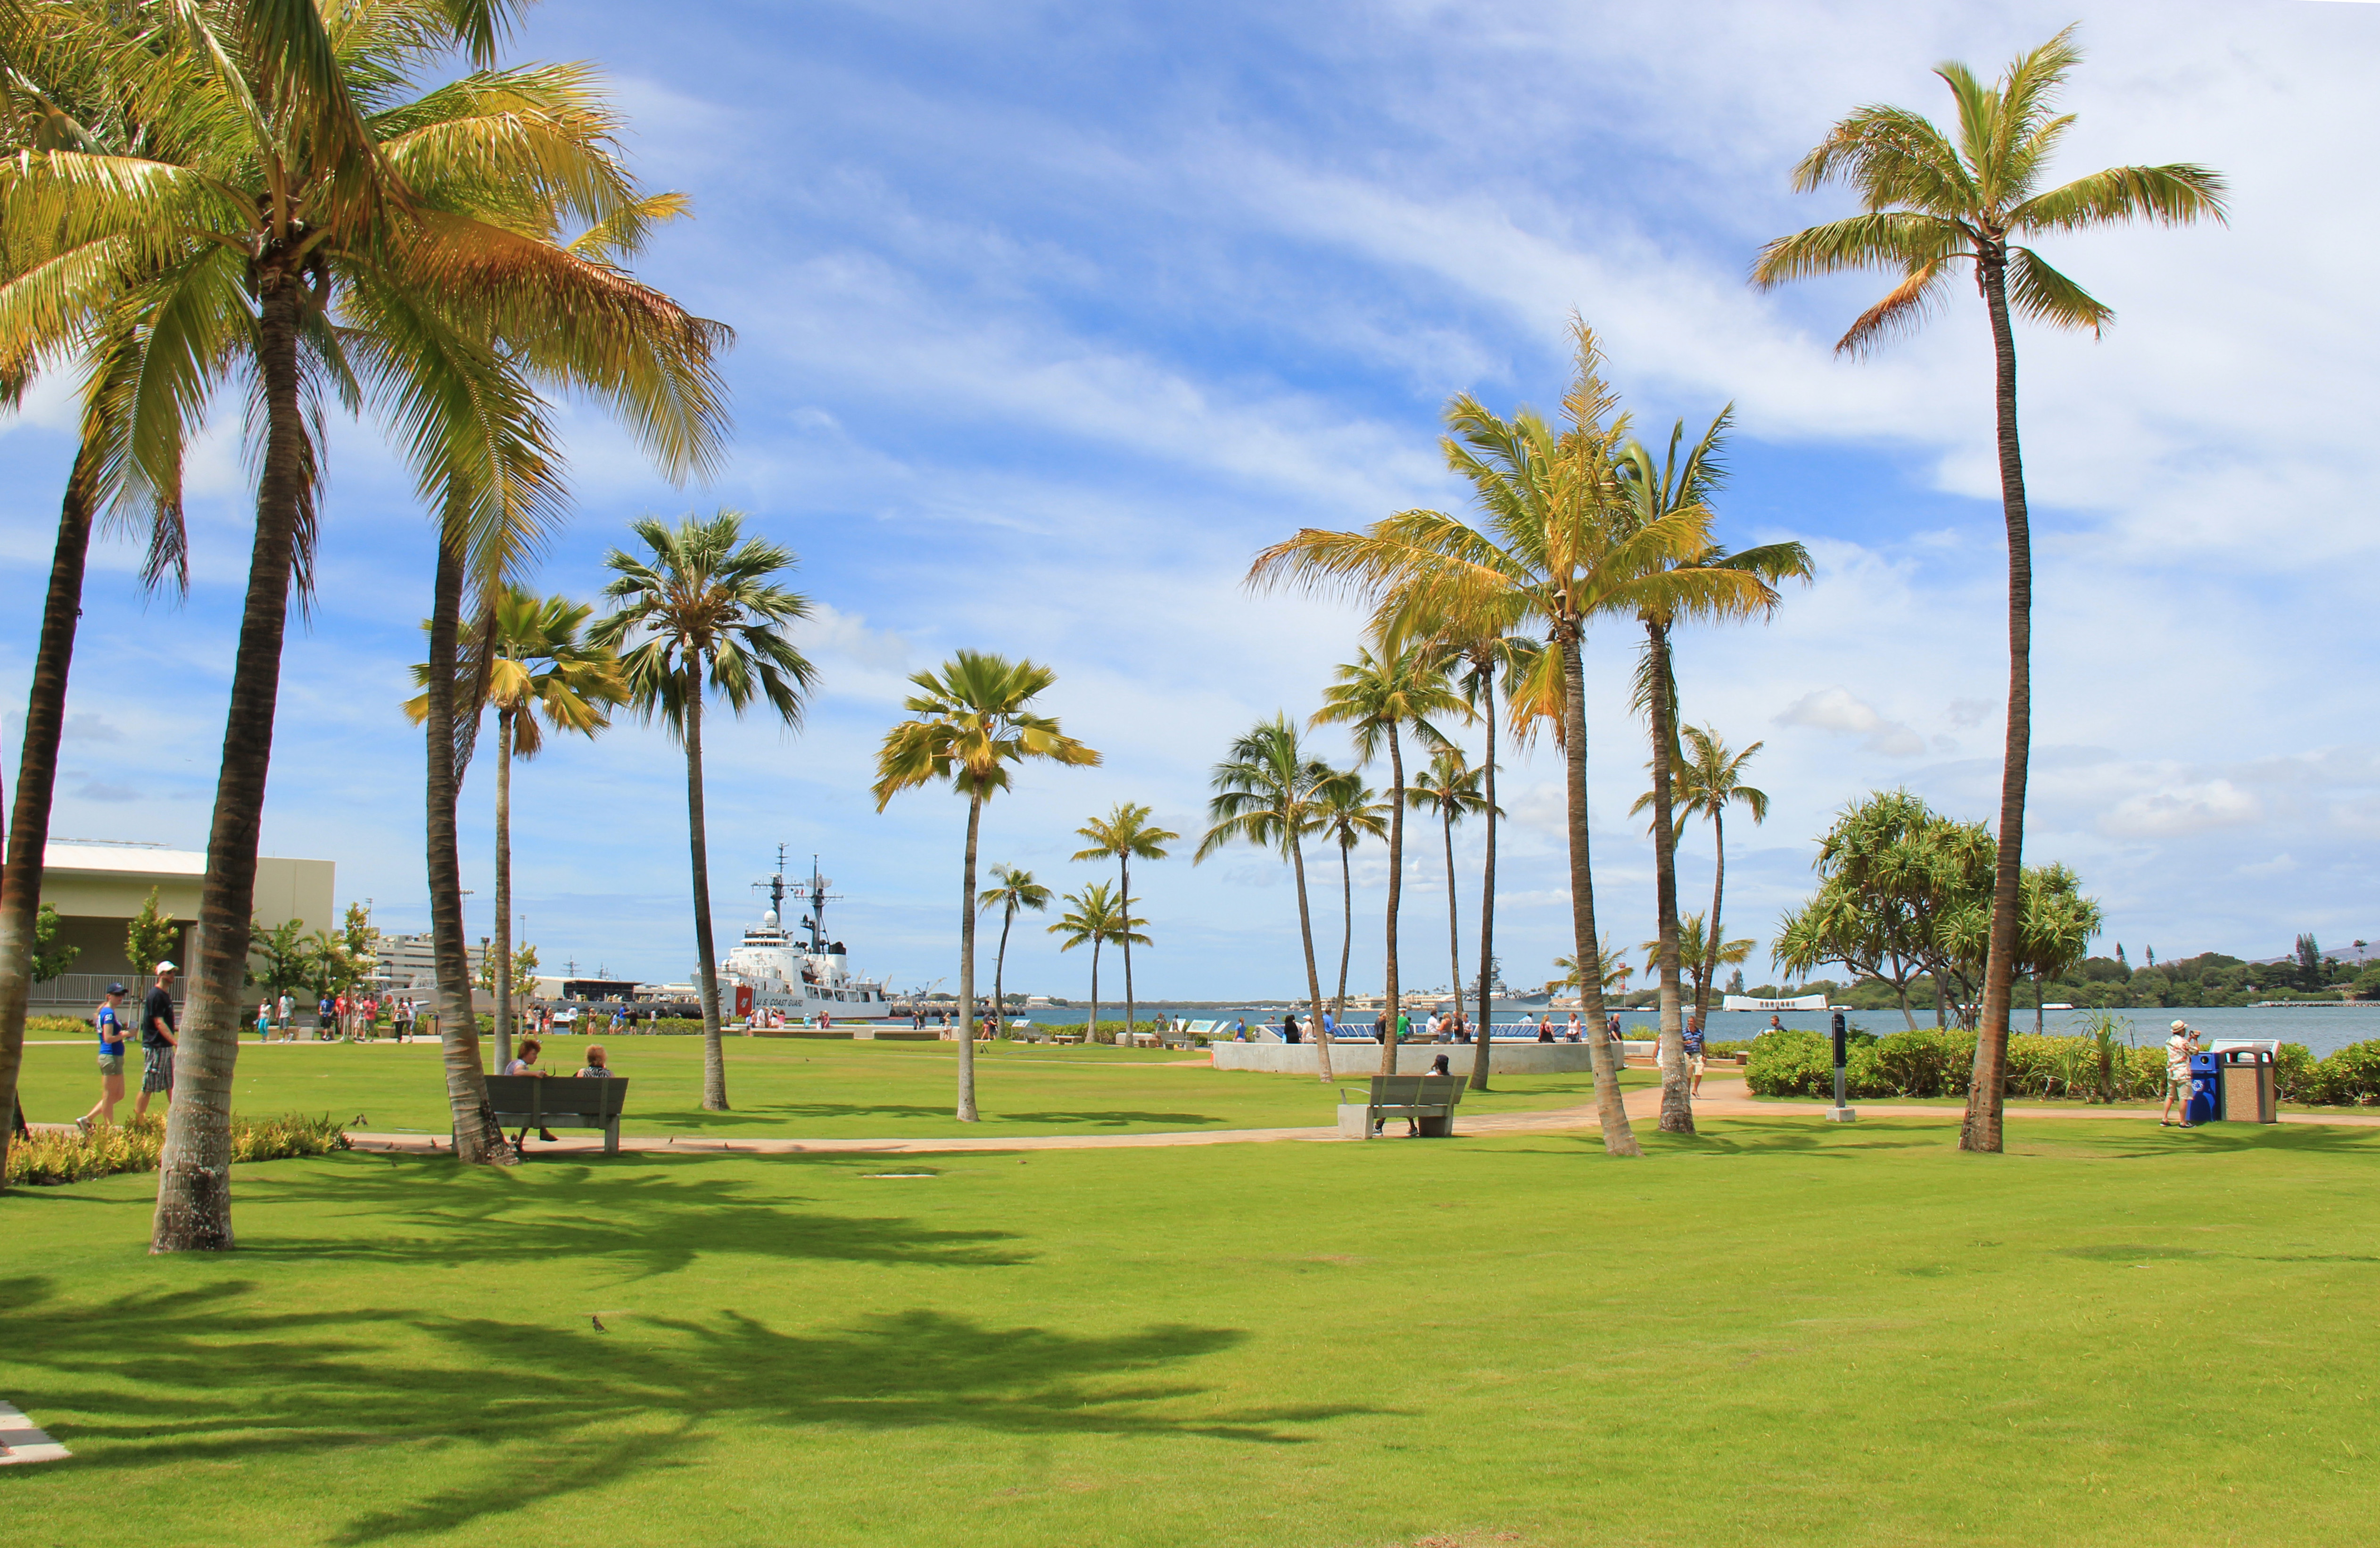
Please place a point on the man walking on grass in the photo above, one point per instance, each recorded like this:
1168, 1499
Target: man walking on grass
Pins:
2177, 1050
157, 1040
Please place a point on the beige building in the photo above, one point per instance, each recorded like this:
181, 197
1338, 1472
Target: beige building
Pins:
98, 887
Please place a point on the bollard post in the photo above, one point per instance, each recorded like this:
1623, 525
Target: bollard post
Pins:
1838, 1113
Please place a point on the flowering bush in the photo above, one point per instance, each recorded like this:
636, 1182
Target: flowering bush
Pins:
66, 1156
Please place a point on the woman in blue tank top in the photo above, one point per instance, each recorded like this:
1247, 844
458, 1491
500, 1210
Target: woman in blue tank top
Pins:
109, 1018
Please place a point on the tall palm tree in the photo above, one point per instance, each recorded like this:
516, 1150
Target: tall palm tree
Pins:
1713, 585
1125, 834
1011, 890
536, 666
1703, 957
1555, 551
1934, 200
1348, 815
1450, 787
1098, 917
705, 604
1709, 780
971, 720
1484, 654
1272, 793
1374, 696
304, 218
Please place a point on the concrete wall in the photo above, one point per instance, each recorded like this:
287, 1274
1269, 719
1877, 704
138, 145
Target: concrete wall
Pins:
1353, 1060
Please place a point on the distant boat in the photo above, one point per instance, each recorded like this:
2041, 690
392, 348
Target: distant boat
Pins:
772, 969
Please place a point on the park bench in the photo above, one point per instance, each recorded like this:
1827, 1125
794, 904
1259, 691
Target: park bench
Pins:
560, 1102
1428, 1100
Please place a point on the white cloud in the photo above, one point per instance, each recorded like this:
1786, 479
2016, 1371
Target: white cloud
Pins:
2182, 810
1836, 708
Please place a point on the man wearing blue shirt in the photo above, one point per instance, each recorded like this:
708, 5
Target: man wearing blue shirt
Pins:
1693, 1039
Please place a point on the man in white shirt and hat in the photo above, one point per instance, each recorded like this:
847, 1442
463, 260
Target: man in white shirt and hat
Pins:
2177, 1050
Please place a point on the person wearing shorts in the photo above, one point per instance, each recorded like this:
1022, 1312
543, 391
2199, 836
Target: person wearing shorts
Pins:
1693, 1040
2177, 1050
112, 1029
158, 1041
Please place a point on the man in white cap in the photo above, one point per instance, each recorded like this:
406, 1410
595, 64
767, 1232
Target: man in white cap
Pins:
158, 1041
2177, 1050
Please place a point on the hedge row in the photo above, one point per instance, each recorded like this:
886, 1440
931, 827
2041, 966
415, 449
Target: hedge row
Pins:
54, 1156
1936, 1062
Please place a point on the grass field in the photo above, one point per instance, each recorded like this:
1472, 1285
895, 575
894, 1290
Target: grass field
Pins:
805, 1088
1777, 1332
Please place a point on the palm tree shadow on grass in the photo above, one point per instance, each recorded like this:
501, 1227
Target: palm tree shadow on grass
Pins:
654, 1220
216, 1376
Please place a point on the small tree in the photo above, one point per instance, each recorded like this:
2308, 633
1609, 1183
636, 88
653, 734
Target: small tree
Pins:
2309, 954
50, 959
524, 982
279, 958
153, 937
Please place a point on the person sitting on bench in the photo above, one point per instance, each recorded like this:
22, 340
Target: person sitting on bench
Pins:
529, 1049
596, 1067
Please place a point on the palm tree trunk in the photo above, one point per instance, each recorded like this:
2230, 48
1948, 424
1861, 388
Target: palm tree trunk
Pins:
1347, 928
194, 1169
1396, 892
1982, 1129
1091, 1028
1711, 946
502, 977
1130, 1009
479, 1139
1313, 974
1677, 1090
966, 1113
1485, 1031
37, 770
1000, 965
1453, 919
714, 1049
1618, 1136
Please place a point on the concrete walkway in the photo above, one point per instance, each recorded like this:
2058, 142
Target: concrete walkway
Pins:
1722, 1097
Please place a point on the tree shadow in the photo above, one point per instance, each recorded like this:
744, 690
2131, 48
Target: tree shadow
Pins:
654, 1220
217, 1377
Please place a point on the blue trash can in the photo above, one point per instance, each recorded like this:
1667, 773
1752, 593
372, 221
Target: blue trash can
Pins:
2205, 1089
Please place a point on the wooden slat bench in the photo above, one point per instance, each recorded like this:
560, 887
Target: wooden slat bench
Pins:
560, 1102
1428, 1100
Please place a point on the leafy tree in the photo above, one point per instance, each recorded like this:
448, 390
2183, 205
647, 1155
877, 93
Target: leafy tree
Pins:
280, 957
1349, 814
1098, 917
973, 718
1451, 788
704, 615
1011, 891
523, 977
50, 959
151, 936
1125, 834
1935, 200
1270, 793
2309, 964
1374, 696
2059, 924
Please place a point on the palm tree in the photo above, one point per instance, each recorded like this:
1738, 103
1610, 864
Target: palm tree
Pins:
292, 220
1099, 917
704, 604
1011, 890
1268, 792
1450, 787
536, 665
1932, 202
1611, 980
1347, 816
1126, 834
1555, 550
1484, 654
972, 720
1710, 779
1702, 958
1709, 585
1373, 697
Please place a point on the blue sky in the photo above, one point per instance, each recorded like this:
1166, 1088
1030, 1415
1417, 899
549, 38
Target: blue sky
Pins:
1050, 315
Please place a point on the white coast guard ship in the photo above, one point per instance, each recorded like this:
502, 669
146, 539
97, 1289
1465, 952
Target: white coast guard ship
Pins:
772, 969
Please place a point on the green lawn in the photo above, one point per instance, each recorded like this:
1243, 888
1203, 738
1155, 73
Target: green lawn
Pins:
824, 1089
1778, 1332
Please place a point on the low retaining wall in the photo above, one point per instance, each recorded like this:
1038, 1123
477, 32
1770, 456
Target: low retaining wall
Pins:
1353, 1060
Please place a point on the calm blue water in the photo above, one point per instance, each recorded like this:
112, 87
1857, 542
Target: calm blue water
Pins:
2323, 1029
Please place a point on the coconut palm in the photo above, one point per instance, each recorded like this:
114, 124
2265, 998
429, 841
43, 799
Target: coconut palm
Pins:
1374, 696
304, 218
973, 718
704, 604
1484, 654
1934, 200
1555, 552
1125, 834
1450, 787
1272, 793
1711, 585
537, 667
1348, 815
1703, 957
1011, 892
1098, 917
1615, 971
1709, 780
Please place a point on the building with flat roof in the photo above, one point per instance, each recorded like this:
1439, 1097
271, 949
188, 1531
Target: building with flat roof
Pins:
98, 886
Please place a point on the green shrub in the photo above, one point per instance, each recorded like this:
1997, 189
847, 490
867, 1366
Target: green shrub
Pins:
1929, 1061
2296, 1074
2350, 1077
66, 1156
1791, 1064
57, 1026
1939, 1061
